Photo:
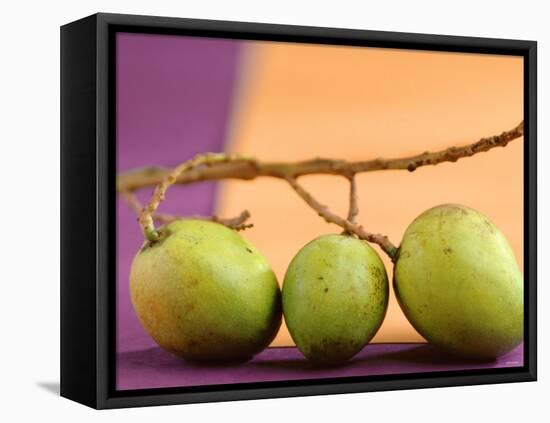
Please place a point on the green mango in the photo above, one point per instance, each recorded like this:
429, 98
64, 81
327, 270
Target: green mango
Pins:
205, 293
457, 281
335, 296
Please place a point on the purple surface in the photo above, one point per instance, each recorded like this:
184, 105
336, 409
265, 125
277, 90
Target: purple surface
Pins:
173, 100
155, 368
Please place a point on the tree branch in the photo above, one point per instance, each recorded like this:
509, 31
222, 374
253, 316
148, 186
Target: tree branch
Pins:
232, 167
206, 160
132, 202
353, 207
237, 223
350, 227
222, 166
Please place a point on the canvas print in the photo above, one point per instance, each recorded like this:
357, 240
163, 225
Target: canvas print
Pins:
291, 212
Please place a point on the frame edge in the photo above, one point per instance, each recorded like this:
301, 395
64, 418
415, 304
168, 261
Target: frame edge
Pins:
78, 214
448, 43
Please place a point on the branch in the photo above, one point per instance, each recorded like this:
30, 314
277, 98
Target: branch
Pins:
232, 167
353, 208
237, 223
146, 216
132, 202
221, 166
350, 227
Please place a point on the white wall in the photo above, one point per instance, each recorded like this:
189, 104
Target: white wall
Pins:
29, 154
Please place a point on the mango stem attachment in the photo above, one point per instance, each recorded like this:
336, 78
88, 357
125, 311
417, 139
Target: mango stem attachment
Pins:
146, 217
350, 227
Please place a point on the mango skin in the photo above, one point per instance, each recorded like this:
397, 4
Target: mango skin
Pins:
335, 296
205, 293
457, 281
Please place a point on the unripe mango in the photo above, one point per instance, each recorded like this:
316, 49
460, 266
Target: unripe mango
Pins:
205, 293
335, 296
458, 283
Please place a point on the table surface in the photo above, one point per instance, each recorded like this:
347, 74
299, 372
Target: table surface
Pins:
156, 368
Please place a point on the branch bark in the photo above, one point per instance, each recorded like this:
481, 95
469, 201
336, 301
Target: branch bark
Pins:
237, 223
353, 207
146, 216
233, 167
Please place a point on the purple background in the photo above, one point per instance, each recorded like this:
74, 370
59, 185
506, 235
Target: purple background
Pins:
173, 101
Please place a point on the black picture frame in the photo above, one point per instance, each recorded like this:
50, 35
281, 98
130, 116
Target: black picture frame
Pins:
88, 215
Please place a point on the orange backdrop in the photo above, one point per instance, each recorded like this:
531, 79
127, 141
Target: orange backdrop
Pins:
302, 101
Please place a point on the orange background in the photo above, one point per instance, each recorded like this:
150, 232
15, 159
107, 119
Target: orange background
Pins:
302, 101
